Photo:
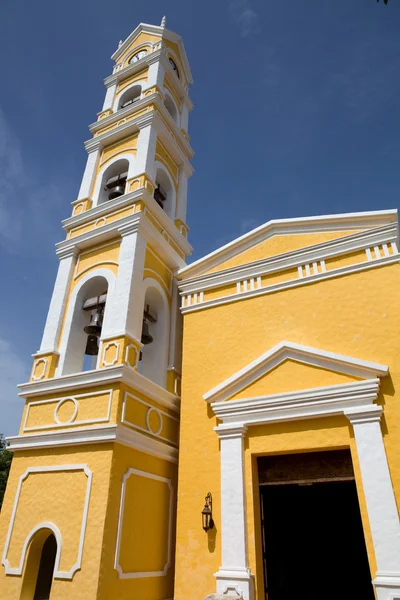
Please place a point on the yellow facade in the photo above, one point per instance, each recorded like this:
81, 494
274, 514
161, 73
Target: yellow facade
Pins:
289, 347
95, 463
347, 315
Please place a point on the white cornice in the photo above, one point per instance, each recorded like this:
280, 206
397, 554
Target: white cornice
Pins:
340, 222
163, 33
305, 404
133, 68
136, 107
137, 222
153, 118
137, 67
122, 113
101, 141
262, 365
98, 377
95, 435
294, 258
97, 236
291, 283
113, 205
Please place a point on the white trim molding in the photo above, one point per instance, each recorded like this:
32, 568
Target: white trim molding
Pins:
251, 291
312, 403
40, 361
108, 375
357, 402
380, 499
95, 435
71, 421
150, 408
234, 574
304, 354
140, 575
57, 573
302, 225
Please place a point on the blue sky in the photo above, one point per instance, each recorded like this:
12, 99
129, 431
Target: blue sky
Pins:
296, 113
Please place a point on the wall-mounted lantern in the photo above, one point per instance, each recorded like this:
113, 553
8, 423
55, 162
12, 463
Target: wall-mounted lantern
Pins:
206, 514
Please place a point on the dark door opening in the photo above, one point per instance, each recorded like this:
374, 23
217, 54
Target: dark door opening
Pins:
314, 542
46, 569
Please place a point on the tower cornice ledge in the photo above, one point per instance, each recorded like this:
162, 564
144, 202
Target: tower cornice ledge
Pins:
113, 205
95, 435
138, 222
96, 377
140, 121
153, 118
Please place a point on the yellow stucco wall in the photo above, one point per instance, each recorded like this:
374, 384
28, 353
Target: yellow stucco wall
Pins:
279, 244
142, 38
57, 497
145, 519
155, 267
348, 315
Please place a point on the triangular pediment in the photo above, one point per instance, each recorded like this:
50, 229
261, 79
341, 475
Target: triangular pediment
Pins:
294, 367
158, 31
283, 237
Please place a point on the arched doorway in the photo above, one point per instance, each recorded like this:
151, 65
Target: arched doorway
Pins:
38, 576
46, 569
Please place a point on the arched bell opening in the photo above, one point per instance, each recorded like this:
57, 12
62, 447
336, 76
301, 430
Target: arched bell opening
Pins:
164, 193
113, 182
86, 326
155, 334
130, 96
171, 108
39, 570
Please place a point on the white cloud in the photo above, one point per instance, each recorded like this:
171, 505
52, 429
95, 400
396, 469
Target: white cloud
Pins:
246, 17
24, 199
12, 371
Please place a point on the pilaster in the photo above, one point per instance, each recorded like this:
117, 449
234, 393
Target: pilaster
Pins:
109, 98
234, 574
126, 310
58, 301
146, 150
88, 176
380, 499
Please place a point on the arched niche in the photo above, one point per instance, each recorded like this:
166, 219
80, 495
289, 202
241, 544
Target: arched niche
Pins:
129, 96
116, 174
43, 556
171, 108
74, 338
154, 361
165, 186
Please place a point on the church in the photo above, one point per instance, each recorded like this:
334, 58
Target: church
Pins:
226, 428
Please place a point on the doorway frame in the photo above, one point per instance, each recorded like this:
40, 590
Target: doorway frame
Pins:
357, 402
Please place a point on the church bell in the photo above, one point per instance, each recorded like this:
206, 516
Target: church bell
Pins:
94, 330
147, 338
116, 192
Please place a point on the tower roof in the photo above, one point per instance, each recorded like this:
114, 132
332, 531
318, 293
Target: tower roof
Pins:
163, 32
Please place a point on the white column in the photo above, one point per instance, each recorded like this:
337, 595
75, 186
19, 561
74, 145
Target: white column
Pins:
380, 499
58, 301
88, 176
109, 99
146, 150
155, 75
234, 574
125, 314
182, 196
185, 117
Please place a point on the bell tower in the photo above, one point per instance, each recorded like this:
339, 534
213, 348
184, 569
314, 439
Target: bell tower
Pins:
94, 471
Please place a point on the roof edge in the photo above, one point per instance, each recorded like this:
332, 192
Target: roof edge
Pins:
163, 33
278, 226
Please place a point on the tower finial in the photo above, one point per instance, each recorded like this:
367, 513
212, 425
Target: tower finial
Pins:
120, 43
163, 21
